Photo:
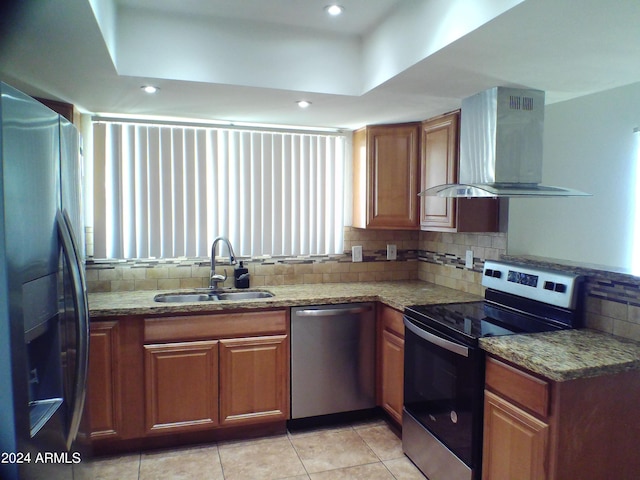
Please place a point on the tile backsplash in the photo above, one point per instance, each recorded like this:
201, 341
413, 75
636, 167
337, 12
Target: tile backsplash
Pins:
166, 274
612, 300
442, 258
430, 256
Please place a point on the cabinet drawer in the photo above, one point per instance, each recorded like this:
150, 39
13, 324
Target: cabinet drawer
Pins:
223, 325
528, 391
391, 320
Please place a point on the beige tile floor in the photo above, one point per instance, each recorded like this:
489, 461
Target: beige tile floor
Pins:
360, 451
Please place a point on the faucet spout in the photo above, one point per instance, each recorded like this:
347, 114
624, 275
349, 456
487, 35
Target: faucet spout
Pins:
215, 278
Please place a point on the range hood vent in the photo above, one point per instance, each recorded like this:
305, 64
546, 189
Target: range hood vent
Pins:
501, 133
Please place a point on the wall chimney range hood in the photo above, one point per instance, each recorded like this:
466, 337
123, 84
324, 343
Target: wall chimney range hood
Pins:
501, 133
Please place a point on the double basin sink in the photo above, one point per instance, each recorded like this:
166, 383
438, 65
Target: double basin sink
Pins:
210, 296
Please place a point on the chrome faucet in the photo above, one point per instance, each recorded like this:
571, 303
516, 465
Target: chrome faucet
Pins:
214, 279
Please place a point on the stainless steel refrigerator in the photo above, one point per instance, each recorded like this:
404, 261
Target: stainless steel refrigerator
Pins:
43, 304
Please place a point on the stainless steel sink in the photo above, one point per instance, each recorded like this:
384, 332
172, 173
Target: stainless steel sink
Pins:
210, 296
242, 295
184, 297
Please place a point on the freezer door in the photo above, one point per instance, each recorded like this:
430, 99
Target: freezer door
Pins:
30, 161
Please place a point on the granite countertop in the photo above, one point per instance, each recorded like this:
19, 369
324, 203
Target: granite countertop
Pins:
558, 356
567, 354
394, 294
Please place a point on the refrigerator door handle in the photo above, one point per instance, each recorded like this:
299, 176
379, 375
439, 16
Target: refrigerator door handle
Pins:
70, 251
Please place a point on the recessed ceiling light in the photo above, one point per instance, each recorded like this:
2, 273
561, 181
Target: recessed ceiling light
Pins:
149, 89
303, 103
334, 10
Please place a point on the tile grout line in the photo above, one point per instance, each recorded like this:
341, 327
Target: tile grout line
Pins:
298, 455
220, 460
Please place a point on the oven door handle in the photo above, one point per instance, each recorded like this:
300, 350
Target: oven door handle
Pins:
436, 340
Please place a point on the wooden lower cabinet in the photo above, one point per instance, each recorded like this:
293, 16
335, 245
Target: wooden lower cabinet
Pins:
114, 408
536, 428
254, 384
390, 361
157, 380
181, 386
104, 405
518, 442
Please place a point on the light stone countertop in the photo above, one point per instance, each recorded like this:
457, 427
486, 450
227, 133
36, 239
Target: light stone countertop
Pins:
558, 356
394, 294
567, 354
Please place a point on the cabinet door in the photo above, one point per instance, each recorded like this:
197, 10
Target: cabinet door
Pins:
392, 374
181, 386
104, 406
515, 443
439, 165
386, 177
254, 380
391, 361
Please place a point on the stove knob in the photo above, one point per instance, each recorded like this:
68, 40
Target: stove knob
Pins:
454, 416
549, 286
561, 288
496, 274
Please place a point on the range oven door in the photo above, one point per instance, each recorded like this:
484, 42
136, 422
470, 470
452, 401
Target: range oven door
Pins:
443, 387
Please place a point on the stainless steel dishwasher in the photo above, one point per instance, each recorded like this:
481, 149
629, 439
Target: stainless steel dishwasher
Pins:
332, 359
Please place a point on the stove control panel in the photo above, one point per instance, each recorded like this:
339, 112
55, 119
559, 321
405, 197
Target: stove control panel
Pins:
549, 286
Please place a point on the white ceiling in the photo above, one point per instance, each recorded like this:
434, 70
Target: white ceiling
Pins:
383, 61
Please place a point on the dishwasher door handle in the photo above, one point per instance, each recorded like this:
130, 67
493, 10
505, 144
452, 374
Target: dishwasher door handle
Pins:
333, 312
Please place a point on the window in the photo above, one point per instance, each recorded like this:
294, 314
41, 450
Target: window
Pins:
168, 190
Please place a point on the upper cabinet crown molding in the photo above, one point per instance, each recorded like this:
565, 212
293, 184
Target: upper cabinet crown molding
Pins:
385, 177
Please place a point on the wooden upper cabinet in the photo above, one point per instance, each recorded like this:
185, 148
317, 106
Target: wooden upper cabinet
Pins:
386, 177
67, 110
439, 165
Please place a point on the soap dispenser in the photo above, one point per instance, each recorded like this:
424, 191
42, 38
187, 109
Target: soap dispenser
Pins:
241, 275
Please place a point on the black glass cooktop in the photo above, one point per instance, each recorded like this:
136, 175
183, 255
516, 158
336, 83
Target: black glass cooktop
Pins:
468, 322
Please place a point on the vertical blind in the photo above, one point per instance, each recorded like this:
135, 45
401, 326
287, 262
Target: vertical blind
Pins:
635, 195
167, 191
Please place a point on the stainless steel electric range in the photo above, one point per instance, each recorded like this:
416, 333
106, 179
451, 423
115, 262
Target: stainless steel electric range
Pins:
444, 366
